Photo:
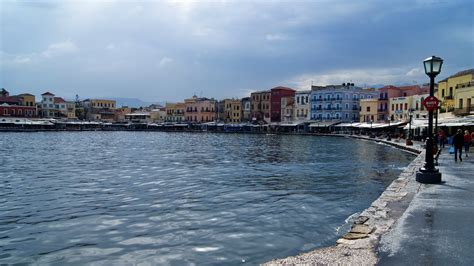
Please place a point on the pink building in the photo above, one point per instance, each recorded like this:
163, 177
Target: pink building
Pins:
387, 92
200, 110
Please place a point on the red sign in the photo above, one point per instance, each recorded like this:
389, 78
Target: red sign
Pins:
431, 103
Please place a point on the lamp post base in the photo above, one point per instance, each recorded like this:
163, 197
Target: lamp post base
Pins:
428, 177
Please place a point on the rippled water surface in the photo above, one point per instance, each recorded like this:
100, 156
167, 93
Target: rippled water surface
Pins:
113, 198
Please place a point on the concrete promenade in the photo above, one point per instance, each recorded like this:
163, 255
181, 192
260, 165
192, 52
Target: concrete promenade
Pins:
410, 223
438, 226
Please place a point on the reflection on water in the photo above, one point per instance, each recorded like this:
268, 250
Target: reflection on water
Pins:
179, 198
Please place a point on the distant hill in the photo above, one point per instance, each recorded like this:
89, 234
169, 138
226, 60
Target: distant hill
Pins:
132, 102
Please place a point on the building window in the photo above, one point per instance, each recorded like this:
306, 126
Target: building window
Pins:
368, 108
406, 106
460, 103
442, 93
450, 91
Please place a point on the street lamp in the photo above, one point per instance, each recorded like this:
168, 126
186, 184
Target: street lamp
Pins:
428, 174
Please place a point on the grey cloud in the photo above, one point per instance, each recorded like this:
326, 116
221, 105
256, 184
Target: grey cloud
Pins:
169, 50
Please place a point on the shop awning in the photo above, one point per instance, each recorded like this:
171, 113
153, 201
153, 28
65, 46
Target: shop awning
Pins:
323, 124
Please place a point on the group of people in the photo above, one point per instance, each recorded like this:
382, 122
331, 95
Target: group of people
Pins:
459, 141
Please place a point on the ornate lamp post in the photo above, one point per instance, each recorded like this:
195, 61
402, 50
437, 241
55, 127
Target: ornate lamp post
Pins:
428, 174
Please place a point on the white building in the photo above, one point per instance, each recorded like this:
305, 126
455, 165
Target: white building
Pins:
302, 106
419, 111
53, 107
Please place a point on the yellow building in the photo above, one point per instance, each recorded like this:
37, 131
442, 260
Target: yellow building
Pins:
464, 99
99, 109
100, 104
447, 89
28, 99
368, 110
399, 108
71, 110
232, 111
175, 112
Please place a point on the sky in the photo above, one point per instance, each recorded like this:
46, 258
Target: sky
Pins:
161, 51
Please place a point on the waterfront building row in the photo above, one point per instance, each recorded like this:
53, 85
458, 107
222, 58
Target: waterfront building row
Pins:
345, 103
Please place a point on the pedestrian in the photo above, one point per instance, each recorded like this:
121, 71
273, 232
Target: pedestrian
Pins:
467, 142
458, 142
442, 138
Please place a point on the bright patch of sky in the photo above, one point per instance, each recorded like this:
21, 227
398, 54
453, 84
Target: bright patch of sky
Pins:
170, 50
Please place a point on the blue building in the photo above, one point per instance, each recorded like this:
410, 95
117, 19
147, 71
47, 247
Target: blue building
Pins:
338, 102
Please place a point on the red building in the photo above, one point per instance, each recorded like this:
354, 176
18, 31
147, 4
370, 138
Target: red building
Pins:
7, 110
12, 106
276, 94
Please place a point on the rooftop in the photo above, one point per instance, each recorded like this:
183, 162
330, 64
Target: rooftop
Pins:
460, 73
59, 100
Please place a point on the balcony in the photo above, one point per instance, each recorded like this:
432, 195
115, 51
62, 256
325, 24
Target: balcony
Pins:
464, 85
464, 111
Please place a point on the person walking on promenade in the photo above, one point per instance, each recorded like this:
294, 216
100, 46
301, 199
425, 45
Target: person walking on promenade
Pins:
458, 142
442, 138
467, 142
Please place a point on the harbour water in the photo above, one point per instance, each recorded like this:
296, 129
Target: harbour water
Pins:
111, 198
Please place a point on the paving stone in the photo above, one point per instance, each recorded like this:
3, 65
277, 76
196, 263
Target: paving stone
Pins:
355, 236
361, 219
361, 229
